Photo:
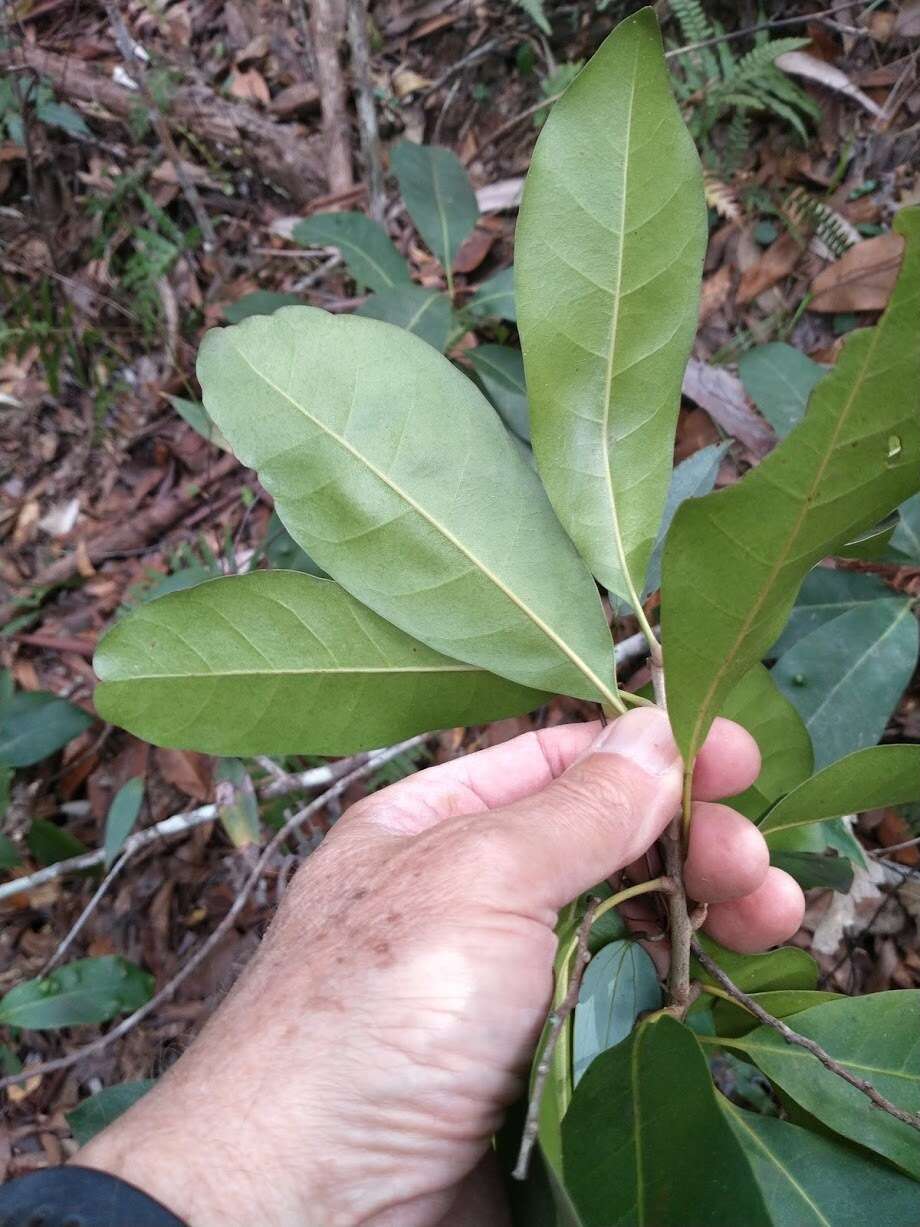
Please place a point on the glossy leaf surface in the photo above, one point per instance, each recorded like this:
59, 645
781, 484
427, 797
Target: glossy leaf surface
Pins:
643, 1132
98, 1111
825, 595
846, 678
785, 746
438, 195
427, 313
734, 560
122, 815
34, 724
779, 380
501, 372
824, 870
495, 298
281, 662
393, 472
366, 247
608, 258
785, 968
906, 536
873, 1037
810, 1181
619, 984
872, 778
85, 991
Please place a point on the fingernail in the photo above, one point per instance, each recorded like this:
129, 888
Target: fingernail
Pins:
644, 737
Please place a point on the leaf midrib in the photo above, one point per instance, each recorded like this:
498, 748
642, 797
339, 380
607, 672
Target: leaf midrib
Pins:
480, 566
284, 672
774, 1159
793, 1050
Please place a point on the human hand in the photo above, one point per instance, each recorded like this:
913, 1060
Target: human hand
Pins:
360, 1067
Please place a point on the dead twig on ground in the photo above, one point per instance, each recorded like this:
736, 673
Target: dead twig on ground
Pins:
366, 107
327, 27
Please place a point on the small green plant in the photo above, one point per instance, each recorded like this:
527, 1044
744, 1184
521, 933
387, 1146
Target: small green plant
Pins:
465, 588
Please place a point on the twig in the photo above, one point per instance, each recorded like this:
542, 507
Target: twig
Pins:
907, 843
135, 68
216, 936
802, 1041
327, 26
555, 1023
77, 926
366, 108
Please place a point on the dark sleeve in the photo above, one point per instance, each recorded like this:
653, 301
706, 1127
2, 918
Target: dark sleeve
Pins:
79, 1197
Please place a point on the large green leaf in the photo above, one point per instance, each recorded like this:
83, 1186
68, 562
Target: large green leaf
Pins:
786, 968
644, 1133
906, 536
366, 247
779, 380
867, 779
495, 298
846, 678
427, 313
438, 195
280, 662
874, 1038
608, 257
811, 1181
86, 991
825, 595
692, 478
394, 473
34, 724
776, 726
734, 560
100, 1110
501, 373
732, 1019
620, 984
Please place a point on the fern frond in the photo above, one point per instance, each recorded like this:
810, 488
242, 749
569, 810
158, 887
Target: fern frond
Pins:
701, 65
737, 143
721, 197
758, 60
805, 212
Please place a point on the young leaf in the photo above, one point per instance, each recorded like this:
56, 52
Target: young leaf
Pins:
35, 724
692, 478
494, 298
394, 473
197, 417
279, 662
779, 380
608, 257
620, 984
731, 1019
825, 595
366, 247
50, 843
259, 302
846, 678
776, 726
501, 373
811, 1181
906, 536
786, 968
425, 312
86, 991
98, 1111
236, 802
438, 195
122, 815
874, 1038
642, 1134
873, 778
734, 559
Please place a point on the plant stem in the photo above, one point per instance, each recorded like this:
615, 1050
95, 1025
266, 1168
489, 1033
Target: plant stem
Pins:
663, 884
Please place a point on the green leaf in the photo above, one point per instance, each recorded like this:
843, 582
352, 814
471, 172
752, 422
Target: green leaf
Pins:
501, 373
692, 478
874, 543
279, 662
825, 595
426, 313
60, 115
874, 1038
786, 968
734, 560
643, 1133
196, 416
873, 778
731, 1019
259, 302
283, 552
9, 853
236, 803
393, 472
785, 746
815, 870
846, 678
366, 247
608, 257
35, 724
779, 380
495, 298
438, 195
100, 1110
122, 815
620, 984
906, 536
86, 991
810, 1181
50, 843
534, 10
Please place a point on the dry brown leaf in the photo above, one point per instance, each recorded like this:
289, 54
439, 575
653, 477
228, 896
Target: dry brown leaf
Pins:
6, 1152
249, 87
721, 394
189, 772
862, 279
777, 262
715, 292
474, 250
801, 64
907, 22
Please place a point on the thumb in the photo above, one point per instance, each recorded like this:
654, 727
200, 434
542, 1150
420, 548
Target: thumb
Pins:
602, 813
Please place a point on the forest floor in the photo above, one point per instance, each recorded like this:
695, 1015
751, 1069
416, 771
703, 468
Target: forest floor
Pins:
133, 218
